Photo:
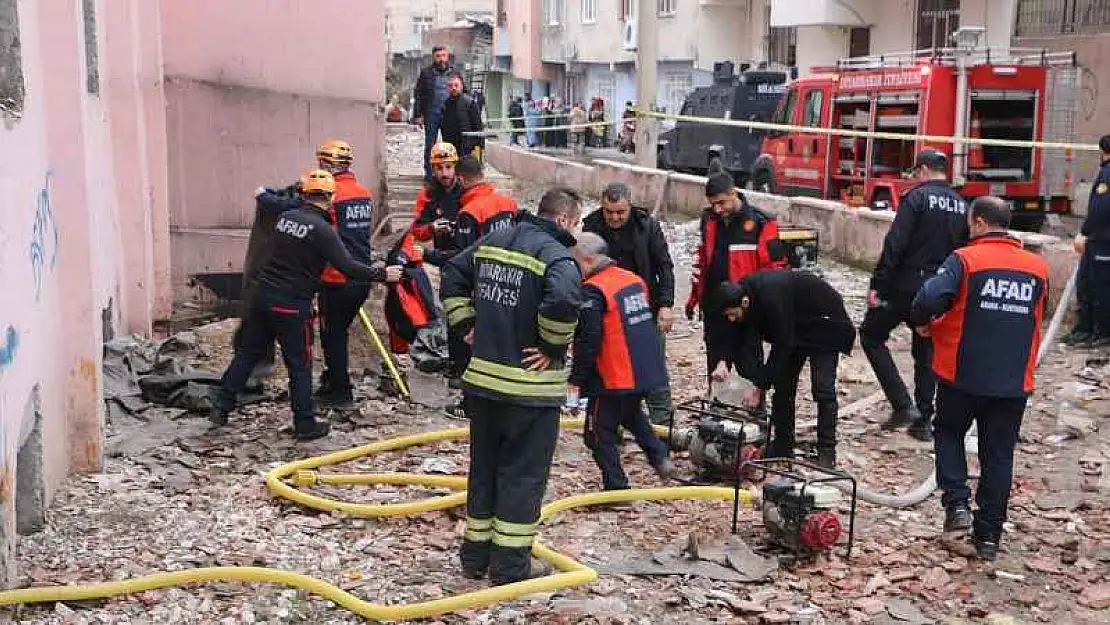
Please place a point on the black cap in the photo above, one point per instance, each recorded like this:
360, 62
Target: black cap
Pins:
730, 294
932, 159
469, 167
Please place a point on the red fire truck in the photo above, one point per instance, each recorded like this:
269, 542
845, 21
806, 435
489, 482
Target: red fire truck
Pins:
959, 92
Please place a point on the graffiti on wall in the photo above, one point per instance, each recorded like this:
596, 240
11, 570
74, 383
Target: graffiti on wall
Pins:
9, 343
44, 237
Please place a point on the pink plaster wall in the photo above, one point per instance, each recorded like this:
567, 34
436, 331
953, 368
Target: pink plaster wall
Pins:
272, 80
524, 28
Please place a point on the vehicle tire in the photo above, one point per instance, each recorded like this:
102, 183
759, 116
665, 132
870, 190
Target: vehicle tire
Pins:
762, 181
882, 200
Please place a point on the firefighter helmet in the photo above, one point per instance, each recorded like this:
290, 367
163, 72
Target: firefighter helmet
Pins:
335, 152
443, 152
317, 181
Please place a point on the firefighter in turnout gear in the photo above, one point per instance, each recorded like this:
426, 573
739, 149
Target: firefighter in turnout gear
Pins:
983, 309
930, 223
515, 295
340, 300
437, 206
736, 240
618, 358
304, 243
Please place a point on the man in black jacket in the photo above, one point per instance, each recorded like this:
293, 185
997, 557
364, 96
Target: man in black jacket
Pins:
636, 243
461, 115
1093, 243
429, 96
930, 223
803, 318
516, 114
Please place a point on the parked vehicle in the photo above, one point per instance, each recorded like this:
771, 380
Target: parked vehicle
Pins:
1015, 94
691, 146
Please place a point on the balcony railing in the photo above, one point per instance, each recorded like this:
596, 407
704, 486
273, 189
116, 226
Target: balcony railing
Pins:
1046, 18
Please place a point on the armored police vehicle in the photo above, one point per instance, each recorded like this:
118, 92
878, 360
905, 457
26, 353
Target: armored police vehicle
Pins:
753, 95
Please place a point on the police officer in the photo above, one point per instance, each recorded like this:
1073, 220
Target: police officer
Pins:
736, 240
341, 299
516, 296
617, 359
304, 243
985, 307
636, 242
1093, 242
429, 96
803, 318
931, 222
437, 205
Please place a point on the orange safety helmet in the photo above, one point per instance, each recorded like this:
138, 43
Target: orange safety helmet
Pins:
318, 181
335, 152
443, 152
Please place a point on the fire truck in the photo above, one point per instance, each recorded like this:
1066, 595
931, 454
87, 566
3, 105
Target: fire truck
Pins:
1012, 94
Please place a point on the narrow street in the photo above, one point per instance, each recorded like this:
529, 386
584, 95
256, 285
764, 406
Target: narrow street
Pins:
176, 496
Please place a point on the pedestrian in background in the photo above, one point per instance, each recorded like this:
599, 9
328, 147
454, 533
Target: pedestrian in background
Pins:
430, 94
1093, 242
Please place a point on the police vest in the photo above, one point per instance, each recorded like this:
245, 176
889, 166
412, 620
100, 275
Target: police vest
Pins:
353, 212
631, 356
509, 286
986, 344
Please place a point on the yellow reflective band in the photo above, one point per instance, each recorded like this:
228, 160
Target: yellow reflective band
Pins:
518, 374
516, 529
550, 390
509, 257
519, 542
556, 327
455, 317
478, 524
555, 339
451, 303
475, 536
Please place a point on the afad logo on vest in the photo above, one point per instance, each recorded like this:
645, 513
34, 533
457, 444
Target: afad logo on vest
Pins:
1000, 293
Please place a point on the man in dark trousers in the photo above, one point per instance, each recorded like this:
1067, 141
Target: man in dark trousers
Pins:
983, 309
736, 241
803, 318
516, 296
516, 113
437, 206
1093, 242
462, 115
931, 222
429, 96
618, 358
305, 242
341, 299
636, 242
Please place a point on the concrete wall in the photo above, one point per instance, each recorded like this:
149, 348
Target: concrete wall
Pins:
84, 242
851, 235
249, 106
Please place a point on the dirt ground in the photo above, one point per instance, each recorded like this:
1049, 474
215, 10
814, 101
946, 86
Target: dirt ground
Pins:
174, 496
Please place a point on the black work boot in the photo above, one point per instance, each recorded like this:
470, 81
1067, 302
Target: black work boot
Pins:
901, 418
318, 429
986, 548
957, 518
217, 417
826, 458
922, 430
325, 385
337, 399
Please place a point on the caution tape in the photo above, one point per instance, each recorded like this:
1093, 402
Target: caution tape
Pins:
863, 134
504, 131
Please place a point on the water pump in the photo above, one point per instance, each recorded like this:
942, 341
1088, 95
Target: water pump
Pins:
802, 509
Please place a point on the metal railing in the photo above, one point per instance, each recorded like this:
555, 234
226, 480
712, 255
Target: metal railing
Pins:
1043, 18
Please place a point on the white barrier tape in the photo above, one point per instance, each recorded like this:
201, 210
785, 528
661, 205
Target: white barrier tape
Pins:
863, 134
524, 131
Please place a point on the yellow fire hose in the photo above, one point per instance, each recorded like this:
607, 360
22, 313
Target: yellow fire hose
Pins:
303, 473
385, 354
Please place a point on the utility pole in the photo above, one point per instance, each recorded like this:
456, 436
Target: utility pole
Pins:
647, 55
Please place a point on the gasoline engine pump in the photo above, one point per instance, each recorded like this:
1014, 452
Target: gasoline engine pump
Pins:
799, 503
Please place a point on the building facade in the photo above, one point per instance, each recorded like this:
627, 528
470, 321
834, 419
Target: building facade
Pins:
133, 134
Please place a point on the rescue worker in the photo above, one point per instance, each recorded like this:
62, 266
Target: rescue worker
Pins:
515, 295
305, 242
983, 309
437, 206
736, 240
635, 242
341, 299
462, 115
429, 96
1093, 242
803, 318
931, 221
617, 359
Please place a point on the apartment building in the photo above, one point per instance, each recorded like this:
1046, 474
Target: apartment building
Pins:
406, 21
582, 49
